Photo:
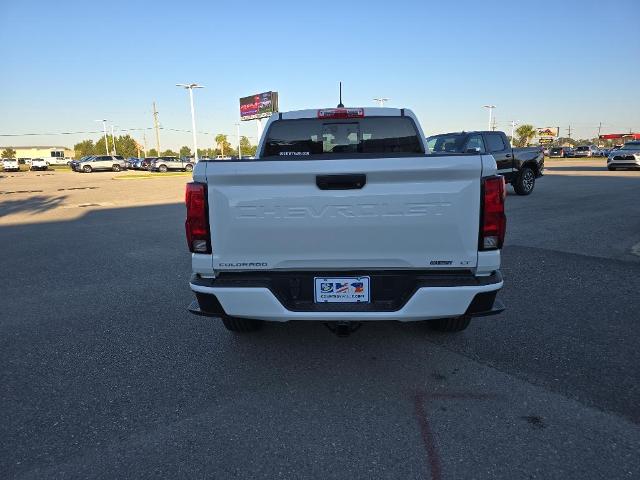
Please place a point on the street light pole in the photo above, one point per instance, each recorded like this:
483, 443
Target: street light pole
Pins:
239, 150
513, 128
104, 127
190, 87
113, 139
381, 101
490, 107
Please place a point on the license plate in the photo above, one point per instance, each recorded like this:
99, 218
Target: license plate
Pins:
341, 289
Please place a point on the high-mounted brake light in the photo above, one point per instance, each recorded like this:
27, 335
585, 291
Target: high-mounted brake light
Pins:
493, 221
341, 113
197, 223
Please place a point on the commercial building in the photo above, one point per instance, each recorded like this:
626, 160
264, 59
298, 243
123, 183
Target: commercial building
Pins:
44, 151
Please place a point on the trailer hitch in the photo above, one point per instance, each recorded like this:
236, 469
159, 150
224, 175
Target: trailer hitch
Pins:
343, 329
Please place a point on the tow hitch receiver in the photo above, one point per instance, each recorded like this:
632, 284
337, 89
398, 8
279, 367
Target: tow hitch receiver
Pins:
343, 329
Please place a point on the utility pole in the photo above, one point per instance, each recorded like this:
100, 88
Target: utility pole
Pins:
156, 126
569, 132
239, 149
113, 139
104, 127
513, 129
144, 143
599, 128
493, 125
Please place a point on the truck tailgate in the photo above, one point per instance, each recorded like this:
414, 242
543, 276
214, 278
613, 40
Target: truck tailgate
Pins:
417, 212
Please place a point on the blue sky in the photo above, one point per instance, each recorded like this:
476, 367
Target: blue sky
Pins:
559, 63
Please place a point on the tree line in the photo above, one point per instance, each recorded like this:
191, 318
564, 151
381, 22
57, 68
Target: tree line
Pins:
524, 134
126, 146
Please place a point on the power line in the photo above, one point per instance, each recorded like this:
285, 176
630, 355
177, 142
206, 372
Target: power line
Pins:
91, 132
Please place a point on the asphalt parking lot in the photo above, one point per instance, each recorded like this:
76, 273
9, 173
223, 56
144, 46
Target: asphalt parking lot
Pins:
104, 374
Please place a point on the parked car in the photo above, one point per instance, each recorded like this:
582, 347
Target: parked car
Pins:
586, 151
145, 162
626, 157
101, 162
131, 162
39, 164
164, 164
10, 165
24, 161
519, 166
560, 152
74, 163
419, 234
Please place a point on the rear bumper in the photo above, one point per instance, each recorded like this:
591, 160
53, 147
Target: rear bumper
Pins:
627, 162
464, 295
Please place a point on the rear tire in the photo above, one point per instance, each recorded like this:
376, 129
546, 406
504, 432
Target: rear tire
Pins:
456, 324
525, 182
241, 325
87, 169
188, 168
116, 168
162, 168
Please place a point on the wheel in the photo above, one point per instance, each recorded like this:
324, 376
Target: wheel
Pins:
188, 168
611, 168
525, 181
456, 324
242, 325
116, 168
162, 168
87, 169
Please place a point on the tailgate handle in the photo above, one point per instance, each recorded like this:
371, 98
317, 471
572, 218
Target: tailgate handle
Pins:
352, 181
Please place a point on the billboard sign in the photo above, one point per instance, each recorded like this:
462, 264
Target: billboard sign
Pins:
260, 105
548, 132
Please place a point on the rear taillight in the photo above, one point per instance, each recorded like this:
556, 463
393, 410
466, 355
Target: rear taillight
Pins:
197, 223
341, 113
493, 221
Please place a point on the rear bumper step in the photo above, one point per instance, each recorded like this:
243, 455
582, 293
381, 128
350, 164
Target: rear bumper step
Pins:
418, 298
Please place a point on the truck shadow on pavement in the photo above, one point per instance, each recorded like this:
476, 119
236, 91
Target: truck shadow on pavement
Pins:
31, 205
105, 369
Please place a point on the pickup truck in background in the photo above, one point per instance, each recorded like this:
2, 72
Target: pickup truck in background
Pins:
519, 166
39, 164
10, 165
343, 217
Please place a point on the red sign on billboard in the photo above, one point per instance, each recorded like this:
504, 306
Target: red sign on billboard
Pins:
260, 105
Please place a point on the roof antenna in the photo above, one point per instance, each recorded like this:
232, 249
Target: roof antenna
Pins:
340, 105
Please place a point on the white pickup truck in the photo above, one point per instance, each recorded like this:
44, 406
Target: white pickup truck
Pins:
10, 165
39, 164
342, 217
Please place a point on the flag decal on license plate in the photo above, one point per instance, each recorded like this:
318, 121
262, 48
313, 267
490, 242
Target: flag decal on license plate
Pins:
342, 289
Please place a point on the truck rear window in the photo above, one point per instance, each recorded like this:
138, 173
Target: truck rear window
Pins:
370, 135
